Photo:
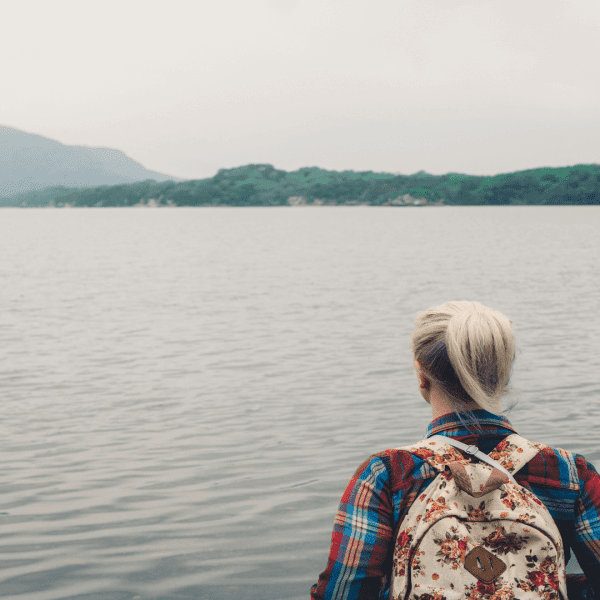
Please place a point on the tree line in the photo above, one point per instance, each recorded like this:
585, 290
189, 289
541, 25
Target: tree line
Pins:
264, 185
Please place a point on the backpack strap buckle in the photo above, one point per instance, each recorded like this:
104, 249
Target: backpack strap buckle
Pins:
474, 451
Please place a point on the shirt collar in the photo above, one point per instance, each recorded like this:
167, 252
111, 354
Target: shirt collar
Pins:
451, 425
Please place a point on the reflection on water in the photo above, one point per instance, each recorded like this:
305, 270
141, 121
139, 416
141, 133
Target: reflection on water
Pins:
186, 392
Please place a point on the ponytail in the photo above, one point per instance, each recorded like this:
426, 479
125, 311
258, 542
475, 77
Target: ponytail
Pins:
468, 350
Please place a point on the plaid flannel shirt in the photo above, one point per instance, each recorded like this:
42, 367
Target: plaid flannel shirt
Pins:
383, 488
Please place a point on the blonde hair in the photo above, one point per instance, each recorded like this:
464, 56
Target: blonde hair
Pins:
468, 350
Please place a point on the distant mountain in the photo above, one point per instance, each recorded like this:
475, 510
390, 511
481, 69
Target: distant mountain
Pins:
31, 162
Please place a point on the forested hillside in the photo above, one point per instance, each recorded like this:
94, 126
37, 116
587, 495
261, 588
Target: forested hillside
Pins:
263, 185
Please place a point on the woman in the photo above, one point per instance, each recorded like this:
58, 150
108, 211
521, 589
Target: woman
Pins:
463, 354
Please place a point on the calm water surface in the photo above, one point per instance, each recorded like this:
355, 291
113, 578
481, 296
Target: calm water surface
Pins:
186, 392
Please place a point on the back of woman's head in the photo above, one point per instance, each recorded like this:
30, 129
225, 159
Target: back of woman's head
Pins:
468, 350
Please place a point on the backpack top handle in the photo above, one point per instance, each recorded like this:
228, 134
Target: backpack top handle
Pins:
473, 451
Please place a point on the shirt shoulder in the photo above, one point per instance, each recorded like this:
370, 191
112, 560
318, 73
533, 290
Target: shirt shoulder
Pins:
560, 469
402, 469
589, 479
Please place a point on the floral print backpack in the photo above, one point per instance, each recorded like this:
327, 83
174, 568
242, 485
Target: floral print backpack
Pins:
476, 534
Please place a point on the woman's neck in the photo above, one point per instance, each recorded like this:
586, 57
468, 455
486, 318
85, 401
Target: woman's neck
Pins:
442, 404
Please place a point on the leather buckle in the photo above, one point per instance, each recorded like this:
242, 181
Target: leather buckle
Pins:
484, 565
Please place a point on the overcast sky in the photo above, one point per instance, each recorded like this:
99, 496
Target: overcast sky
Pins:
188, 87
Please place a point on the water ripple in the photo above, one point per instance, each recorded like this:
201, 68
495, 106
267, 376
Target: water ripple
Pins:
187, 392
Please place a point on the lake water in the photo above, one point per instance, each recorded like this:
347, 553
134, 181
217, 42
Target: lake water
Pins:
186, 392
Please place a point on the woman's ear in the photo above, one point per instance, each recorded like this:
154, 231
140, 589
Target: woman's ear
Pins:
424, 381
421, 377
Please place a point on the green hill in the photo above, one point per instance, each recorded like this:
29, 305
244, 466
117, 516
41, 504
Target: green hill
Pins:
263, 185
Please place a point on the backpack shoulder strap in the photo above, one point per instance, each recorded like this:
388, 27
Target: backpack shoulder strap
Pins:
435, 452
514, 452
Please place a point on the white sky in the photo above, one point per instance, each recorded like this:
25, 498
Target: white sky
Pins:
188, 87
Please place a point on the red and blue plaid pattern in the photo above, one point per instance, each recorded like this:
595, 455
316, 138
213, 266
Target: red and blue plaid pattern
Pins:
383, 488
